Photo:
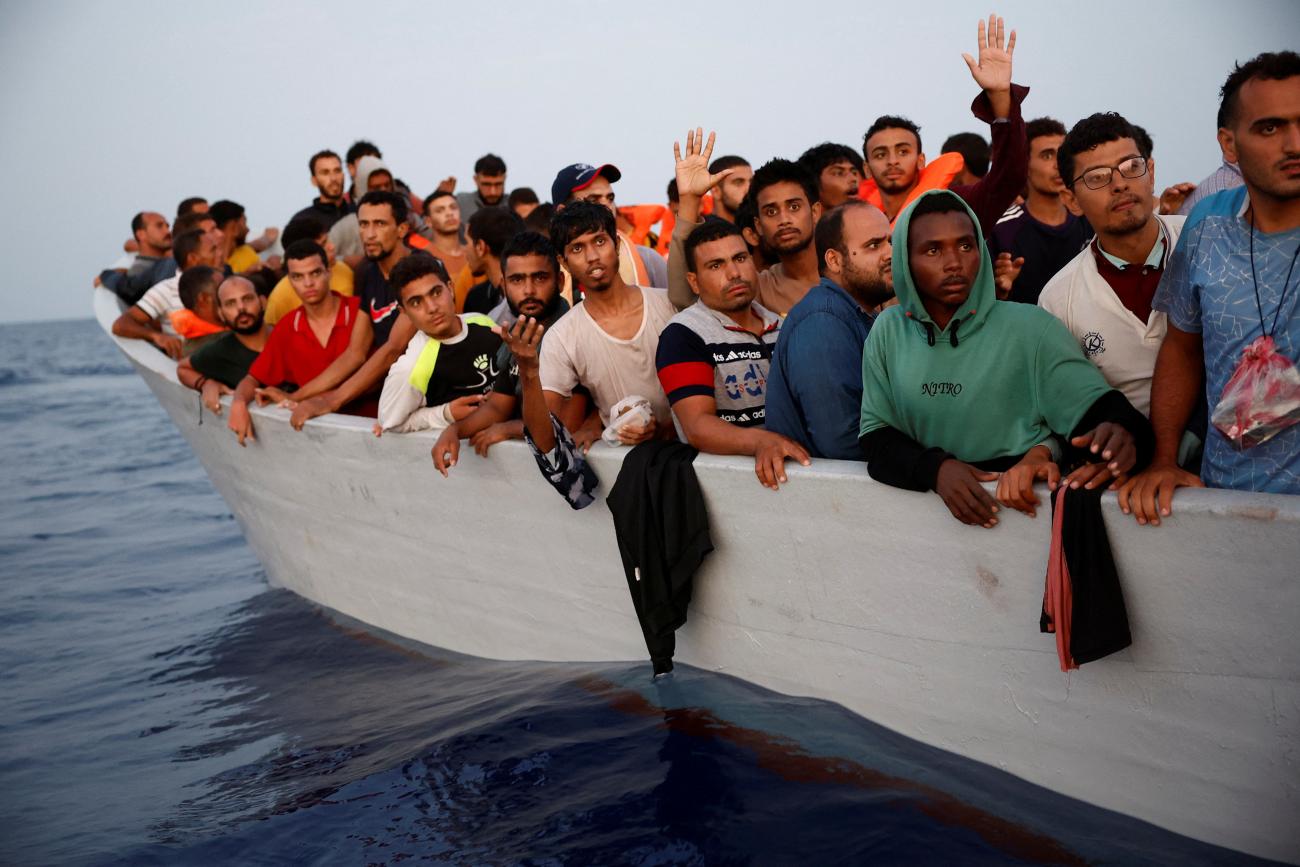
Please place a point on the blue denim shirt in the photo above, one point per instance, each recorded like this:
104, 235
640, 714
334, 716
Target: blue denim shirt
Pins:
814, 386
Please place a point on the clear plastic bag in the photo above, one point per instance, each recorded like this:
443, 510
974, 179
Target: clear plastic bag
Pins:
1262, 398
632, 410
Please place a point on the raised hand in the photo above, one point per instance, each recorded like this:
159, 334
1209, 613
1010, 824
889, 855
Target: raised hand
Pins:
523, 339
693, 178
992, 71
1173, 197
1005, 272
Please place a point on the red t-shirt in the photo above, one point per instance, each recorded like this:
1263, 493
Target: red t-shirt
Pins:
294, 355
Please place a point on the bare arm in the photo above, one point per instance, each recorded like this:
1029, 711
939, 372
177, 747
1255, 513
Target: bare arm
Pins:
369, 374
693, 182
138, 325
712, 435
240, 421
345, 365
1180, 368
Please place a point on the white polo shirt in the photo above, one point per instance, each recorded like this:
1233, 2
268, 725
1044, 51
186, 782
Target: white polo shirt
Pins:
1123, 347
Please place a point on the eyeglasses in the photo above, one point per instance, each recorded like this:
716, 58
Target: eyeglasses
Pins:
1095, 179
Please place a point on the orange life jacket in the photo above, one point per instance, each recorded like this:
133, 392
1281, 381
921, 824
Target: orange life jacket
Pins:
187, 324
937, 175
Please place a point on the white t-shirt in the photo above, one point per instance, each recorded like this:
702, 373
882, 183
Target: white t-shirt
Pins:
1123, 347
578, 351
161, 300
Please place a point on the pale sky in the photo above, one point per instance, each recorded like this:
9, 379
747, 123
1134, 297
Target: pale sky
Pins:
109, 109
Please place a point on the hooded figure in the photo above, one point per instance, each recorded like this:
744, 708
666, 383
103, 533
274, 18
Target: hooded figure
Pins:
995, 381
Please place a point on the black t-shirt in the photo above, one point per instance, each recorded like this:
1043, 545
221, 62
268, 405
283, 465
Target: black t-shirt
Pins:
482, 298
378, 300
1047, 249
468, 366
326, 213
224, 359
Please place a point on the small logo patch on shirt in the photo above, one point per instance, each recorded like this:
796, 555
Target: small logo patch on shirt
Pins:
1093, 344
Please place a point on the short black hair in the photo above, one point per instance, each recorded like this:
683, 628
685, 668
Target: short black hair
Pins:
362, 148
395, 201
707, 232
830, 231
890, 121
137, 222
746, 213
730, 161
1041, 126
225, 211
579, 218
528, 243
434, 196
1093, 130
305, 249
195, 282
1270, 66
187, 205
490, 164
307, 227
539, 220
673, 195
320, 155
522, 196
186, 244
944, 203
413, 267
778, 171
820, 157
494, 226
974, 151
189, 222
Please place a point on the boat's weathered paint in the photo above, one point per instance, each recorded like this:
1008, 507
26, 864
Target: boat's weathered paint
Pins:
836, 587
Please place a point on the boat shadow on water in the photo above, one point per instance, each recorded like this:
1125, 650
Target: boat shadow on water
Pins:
338, 743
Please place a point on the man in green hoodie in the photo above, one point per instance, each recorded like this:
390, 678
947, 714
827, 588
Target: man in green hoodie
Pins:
960, 389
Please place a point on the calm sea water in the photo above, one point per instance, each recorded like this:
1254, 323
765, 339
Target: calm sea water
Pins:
160, 705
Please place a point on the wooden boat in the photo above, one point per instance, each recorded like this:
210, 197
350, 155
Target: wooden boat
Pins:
836, 587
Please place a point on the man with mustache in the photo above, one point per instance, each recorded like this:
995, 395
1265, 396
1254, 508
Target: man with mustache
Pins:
607, 344
713, 357
1231, 281
215, 369
814, 391
326, 176
959, 388
531, 275
1103, 296
448, 365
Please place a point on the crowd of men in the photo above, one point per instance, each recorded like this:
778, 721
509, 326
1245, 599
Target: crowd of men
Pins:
1023, 308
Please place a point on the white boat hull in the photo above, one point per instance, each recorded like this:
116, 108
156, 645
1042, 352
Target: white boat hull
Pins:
836, 588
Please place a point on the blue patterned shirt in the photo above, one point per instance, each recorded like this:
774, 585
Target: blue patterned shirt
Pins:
1207, 289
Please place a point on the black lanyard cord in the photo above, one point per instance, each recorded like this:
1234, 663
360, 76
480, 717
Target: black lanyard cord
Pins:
1255, 280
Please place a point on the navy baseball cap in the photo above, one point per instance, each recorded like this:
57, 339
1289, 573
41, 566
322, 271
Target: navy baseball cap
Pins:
578, 177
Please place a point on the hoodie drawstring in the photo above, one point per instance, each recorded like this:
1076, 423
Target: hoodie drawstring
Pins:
929, 332
952, 335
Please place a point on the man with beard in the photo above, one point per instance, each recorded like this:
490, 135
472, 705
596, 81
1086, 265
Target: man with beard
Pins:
150, 318
896, 163
814, 388
489, 186
326, 176
1103, 296
153, 243
448, 365
784, 195
607, 345
1042, 233
217, 368
531, 269
381, 218
734, 186
713, 357
1230, 282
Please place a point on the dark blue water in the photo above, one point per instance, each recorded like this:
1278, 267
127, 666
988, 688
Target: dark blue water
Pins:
160, 705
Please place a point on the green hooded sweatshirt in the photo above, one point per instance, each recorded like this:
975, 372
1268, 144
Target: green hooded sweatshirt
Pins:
999, 380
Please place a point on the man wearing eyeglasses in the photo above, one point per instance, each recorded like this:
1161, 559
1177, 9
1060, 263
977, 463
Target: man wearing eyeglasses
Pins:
1104, 294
